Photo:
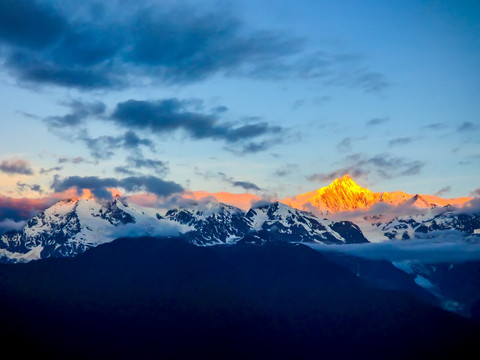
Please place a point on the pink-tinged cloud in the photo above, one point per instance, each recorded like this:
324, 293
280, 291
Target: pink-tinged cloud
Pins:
23, 208
243, 201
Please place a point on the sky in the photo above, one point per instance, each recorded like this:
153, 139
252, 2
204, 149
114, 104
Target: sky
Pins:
273, 98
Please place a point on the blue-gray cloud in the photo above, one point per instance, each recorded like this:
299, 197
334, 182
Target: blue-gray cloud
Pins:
16, 167
79, 111
377, 121
98, 186
118, 44
361, 166
32, 187
136, 163
104, 147
169, 115
400, 141
443, 191
246, 185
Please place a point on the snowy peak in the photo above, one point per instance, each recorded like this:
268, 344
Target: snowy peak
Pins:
281, 222
419, 202
344, 194
211, 223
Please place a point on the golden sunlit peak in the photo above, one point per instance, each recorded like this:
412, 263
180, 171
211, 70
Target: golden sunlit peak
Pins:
347, 182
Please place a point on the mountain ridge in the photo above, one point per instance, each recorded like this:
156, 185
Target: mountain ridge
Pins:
344, 195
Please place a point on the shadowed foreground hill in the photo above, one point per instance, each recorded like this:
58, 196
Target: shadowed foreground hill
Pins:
164, 298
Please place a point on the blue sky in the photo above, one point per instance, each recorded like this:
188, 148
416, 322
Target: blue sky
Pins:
271, 97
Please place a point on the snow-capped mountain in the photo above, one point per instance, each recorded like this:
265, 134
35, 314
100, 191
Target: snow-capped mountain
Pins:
213, 223
71, 227
344, 194
423, 224
278, 221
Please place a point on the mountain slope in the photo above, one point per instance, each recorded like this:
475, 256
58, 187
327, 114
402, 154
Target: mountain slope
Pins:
166, 298
280, 222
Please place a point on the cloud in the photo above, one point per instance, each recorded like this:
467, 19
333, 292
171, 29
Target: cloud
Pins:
79, 111
361, 166
99, 186
443, 191
104, 147
31, 24
29, 187
475, 193
435, 126
388, 166
345, 145
285, 170
354, 172
298, 104
16, 167
377, 121
76, 45
19, 209
400, 141
11, 225
158, 166
44, 171
440, 247
72, 160
246, 185
164, 116
170, 115
467, 126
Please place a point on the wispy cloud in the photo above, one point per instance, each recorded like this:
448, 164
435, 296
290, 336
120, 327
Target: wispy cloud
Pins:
16, 167
361, 166
246, 185
377, 121
400, 141
443, 191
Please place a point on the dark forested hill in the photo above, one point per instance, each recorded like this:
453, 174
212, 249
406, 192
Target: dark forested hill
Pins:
166, 298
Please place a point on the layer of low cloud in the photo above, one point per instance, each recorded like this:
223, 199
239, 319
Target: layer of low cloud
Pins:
440, 247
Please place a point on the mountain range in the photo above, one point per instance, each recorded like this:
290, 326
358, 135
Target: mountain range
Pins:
72, 226
249, 278
344, 194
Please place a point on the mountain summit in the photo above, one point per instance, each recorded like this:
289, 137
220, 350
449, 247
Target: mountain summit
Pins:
344, 194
